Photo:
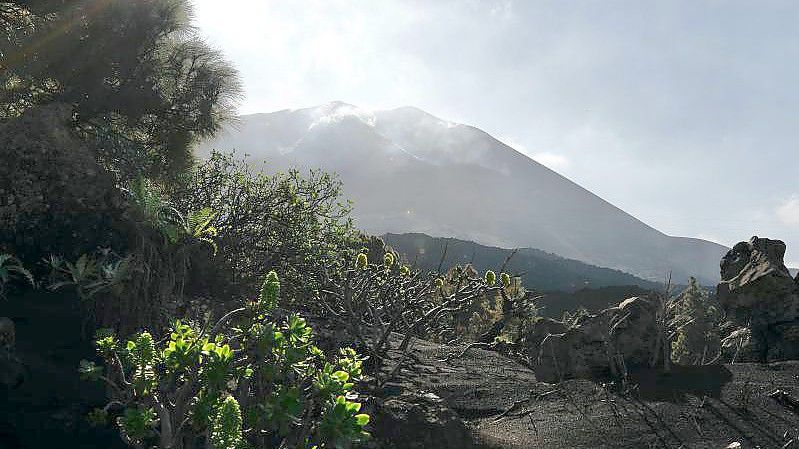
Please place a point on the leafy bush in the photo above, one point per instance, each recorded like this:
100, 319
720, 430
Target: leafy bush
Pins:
150, 282
165, 237
12, 270
257, 381
90, 275
156, 211
295, 225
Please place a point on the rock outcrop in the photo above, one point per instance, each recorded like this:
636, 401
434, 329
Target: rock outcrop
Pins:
55, 197
424, 416
536, 334
759, 294
599, 345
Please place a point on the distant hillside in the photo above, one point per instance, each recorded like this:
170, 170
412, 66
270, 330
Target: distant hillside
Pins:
540, 270
408, 171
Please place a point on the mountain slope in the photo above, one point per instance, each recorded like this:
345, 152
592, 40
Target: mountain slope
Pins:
540, 271
408, 171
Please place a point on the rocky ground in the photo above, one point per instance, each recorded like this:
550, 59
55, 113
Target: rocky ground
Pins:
450, 397
501, 405
480, 399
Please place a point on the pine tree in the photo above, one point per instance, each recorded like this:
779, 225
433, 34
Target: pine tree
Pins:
132, 68
698, 340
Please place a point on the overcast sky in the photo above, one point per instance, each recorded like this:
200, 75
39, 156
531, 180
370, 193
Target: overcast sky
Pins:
684, 114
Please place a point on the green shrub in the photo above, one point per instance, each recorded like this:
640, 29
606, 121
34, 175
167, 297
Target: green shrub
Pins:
12, 270
143, 287
499, 311
90, 275
372, 301
251, 378
296, 225
154, 210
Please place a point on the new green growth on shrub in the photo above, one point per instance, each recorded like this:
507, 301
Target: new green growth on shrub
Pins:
384, 305
254, 379
502, 311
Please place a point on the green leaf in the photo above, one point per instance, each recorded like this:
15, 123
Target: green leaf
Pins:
362, 419
341, 376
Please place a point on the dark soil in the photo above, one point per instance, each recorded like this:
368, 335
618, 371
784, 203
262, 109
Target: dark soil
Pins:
689, 407
48, 410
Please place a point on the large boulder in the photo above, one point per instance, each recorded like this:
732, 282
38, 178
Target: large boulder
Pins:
533, 336
420, 421
55, 197
617, 338
756, 285
634, 331
759, 294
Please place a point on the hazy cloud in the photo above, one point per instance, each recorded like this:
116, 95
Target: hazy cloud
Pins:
335, 114
788, 212
682, 113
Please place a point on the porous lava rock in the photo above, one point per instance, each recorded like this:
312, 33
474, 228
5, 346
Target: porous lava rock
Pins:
759, 295
598, 345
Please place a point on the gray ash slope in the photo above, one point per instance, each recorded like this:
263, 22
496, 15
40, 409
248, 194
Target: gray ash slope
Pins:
705, 407
408, 171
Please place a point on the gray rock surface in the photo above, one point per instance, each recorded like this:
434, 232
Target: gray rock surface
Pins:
536, 334
55, 196
759, 294
420, 421
617, 338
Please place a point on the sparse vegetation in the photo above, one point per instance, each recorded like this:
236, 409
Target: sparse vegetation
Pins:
374, 301
172, 264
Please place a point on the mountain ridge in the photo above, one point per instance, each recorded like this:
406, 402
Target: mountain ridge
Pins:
409, 171
540, 270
